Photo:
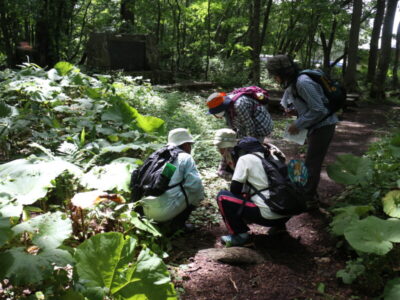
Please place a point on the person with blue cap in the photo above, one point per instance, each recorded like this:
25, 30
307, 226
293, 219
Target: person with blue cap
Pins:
245, 115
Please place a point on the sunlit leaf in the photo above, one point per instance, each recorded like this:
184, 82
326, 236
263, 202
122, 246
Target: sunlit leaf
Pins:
63, 67
391, 203
28, 180
90, 199
48, 230
114, 176
143, 224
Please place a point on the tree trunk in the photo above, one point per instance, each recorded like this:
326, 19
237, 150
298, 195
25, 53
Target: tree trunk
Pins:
378, 86
127, 12
208, 38
327, 46
350, 75
395, 81
373, 45
255, 40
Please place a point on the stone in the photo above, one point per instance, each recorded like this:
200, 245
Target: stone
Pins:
233, 255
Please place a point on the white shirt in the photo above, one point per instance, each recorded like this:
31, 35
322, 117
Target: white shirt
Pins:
249, 169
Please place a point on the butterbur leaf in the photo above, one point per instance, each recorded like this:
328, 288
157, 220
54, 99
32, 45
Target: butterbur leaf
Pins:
114, 176
143, 224
48, 230
107, 264
347, 215
23, 268
391, 204
5, 230
28, 180
392, 289
63, 68
373, 235
350, 169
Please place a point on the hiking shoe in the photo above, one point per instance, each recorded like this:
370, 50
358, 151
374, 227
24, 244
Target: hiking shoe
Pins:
235, 239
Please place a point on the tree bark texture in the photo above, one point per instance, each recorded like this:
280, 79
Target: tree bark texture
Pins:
373, 45
350, 75
395, 81
378, 86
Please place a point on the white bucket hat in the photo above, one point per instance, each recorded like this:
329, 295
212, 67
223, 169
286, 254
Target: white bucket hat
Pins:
179, 136
225, 138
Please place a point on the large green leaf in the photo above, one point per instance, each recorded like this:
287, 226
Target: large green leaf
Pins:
5, 230
142, 224
345, 216
24, 268
28, 180
350, 169
122, 112
392, 289
106, 262
9, 207
48, 230
373, 235
391, 203
63, 67
154, 281
114, 176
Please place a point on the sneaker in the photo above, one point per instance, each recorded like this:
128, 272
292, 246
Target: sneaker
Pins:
235, 239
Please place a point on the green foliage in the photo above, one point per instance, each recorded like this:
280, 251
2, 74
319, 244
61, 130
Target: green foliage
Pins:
347, 215
354, 268
350, 169
47, 231
392, 289
373, 235
106, 266
391, 204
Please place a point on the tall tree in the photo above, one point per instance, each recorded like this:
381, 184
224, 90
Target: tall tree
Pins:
352, 57
373, 45
395, 81
378, 86
255, 42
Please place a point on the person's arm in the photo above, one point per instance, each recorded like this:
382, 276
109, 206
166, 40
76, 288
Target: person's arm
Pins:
192, 181
312, 93
236, 187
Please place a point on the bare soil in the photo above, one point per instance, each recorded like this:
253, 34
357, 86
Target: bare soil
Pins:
299, 265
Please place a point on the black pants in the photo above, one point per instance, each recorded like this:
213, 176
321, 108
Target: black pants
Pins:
178, 222
318, 144
237, 216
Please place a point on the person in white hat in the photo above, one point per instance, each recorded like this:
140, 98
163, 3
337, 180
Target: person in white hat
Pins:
172, 209
225, 140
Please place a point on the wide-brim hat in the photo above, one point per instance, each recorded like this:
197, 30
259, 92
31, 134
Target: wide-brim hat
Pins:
278, 63
179, 136
218, 102
225, 138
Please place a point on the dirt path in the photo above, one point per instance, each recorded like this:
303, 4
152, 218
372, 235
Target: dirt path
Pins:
299, 265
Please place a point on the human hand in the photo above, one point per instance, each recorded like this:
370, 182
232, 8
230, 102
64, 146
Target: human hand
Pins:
293, 129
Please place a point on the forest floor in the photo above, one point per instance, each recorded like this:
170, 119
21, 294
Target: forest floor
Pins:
299, 265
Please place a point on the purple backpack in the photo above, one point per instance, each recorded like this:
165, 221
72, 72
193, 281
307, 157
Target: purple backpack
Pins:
253, 91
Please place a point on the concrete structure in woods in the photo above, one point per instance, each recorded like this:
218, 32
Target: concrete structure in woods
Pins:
135, 54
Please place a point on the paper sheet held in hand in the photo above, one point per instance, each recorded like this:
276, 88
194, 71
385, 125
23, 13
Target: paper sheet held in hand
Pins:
299, 138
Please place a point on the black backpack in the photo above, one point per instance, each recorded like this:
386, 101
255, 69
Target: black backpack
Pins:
286, 197
333, 90
148, 180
